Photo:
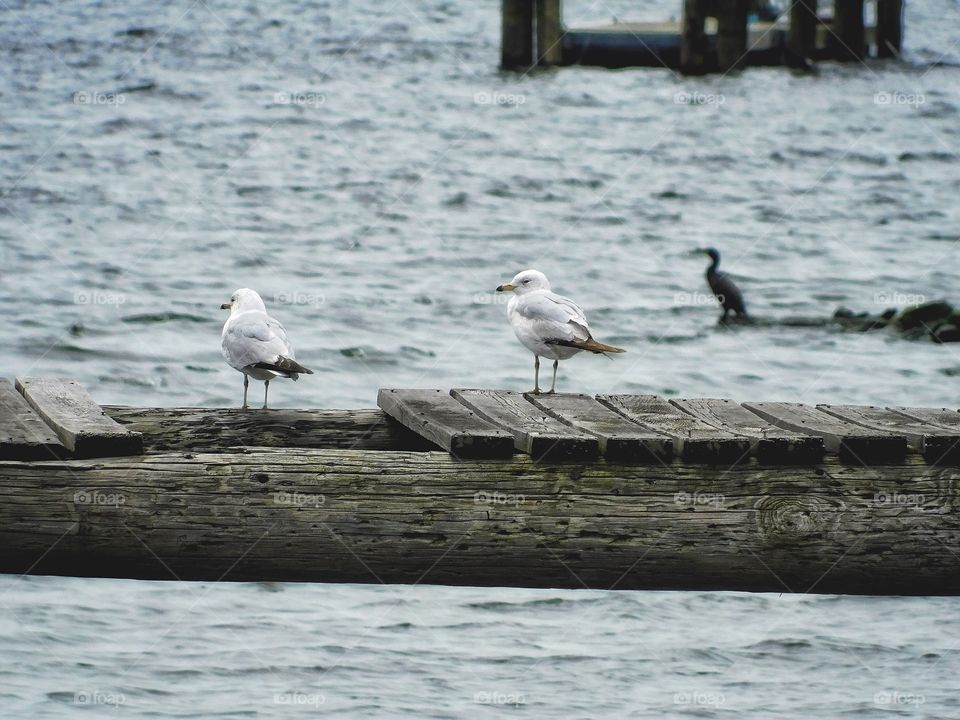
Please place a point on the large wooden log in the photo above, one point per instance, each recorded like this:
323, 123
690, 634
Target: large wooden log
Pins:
337, 515
188, 429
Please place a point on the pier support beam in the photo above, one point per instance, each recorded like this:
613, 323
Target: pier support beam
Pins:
693, 49
516, 39
802, 37
731, 34
889, 28
849, 42
549, 33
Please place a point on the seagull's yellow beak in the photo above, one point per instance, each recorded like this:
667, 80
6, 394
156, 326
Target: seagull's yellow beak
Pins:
507, 287
226, 306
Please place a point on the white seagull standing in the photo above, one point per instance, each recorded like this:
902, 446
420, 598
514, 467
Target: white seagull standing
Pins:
256, 344
548, 324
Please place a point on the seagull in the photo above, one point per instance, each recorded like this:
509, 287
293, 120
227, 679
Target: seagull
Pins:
256, 344
548, 324
723, 288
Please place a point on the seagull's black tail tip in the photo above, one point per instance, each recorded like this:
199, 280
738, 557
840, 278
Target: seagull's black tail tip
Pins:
288, 367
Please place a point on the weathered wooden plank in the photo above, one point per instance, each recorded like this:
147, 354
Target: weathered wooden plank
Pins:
946, 418
534, 432
398, 517
78, 421
619, 438
692, 438
770, 443
444, 421
935, 443
853, 442
23, 434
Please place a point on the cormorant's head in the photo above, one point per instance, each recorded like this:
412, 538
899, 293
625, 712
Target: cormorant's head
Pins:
711, 253
526, 281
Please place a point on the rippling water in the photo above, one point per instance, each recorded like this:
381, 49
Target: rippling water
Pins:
374, 176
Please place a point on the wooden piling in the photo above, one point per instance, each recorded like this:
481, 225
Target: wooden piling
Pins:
732, 34
693, 48
516, 40
889, 28
848, 41
802, 36
549, 33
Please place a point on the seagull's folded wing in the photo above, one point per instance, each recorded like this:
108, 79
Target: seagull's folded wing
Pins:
255, 338
554, 317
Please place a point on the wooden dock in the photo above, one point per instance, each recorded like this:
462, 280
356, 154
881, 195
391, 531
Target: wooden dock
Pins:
708, 36
484, 487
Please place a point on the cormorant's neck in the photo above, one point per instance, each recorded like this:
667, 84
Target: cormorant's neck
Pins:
713, 266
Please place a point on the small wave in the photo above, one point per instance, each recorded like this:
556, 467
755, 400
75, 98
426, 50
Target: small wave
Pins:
162, 317
931, 156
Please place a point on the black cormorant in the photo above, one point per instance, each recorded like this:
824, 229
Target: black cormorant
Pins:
724, 289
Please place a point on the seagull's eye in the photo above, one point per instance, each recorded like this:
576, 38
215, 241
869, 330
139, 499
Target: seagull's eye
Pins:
526, 281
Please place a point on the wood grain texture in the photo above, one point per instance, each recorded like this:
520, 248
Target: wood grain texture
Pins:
23, 434
535, 432
935, 443
77, 420
397, 517
946, 418
693, 439
770, 444
437, 416
190, 429
619, 438
853, 442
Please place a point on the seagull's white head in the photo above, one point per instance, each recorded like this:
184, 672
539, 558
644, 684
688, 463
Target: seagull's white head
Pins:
526, 281
244, 299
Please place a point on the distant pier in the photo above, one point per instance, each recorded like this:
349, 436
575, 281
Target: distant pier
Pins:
709, 36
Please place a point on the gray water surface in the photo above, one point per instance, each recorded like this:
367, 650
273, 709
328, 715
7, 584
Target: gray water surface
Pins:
369, 171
